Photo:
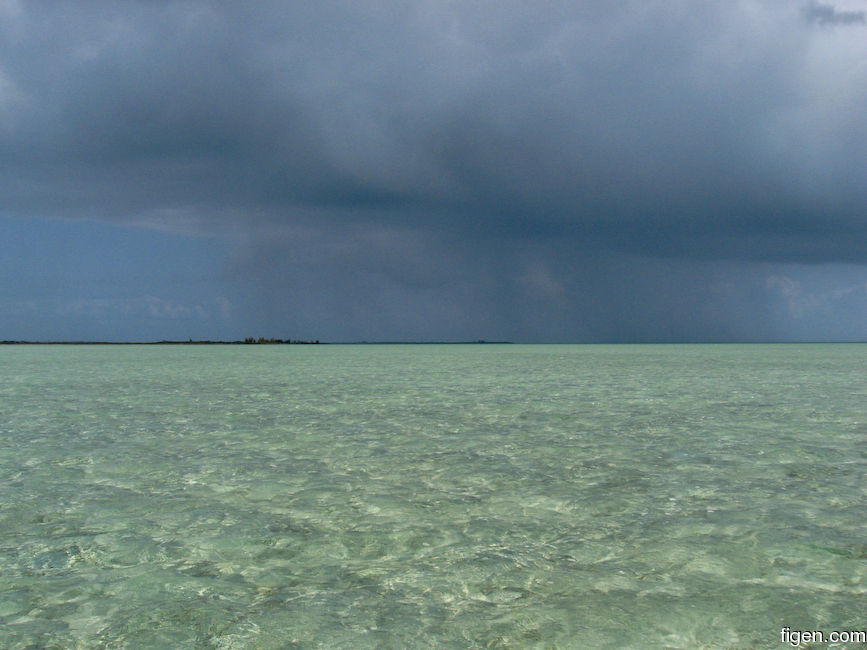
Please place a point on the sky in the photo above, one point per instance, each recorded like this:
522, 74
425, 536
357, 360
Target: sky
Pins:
585, 171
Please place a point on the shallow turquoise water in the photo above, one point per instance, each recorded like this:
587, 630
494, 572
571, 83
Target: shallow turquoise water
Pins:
431, 496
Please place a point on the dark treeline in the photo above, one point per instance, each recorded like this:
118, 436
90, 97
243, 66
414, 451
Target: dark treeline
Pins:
247, 341
250, 340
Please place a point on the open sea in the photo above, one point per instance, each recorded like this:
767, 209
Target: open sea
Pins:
432, 496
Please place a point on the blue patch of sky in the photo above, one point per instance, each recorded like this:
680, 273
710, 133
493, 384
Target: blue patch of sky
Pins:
93, 280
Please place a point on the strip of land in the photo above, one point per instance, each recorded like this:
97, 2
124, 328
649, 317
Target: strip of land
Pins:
248, 341
253, 341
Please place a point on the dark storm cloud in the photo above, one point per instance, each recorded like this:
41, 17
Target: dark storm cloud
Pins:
480, 150
640, 125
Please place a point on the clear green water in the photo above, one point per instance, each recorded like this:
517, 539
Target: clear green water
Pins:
431, 496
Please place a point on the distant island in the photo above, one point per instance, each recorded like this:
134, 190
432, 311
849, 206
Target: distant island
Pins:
247, 341
250, 340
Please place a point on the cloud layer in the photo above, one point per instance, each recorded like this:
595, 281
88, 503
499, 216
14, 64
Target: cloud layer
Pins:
436, 156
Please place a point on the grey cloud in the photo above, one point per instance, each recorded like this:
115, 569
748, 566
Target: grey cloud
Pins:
470, 287
588, 120
468, 158
827, 14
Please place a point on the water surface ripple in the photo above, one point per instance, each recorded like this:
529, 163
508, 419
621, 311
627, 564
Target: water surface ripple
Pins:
431, 496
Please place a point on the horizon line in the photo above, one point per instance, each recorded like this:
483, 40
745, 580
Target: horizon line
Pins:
422, 342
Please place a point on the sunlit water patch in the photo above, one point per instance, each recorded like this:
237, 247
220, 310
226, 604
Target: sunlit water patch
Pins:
431, 496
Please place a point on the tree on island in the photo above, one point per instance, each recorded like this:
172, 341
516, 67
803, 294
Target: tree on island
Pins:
263, 341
